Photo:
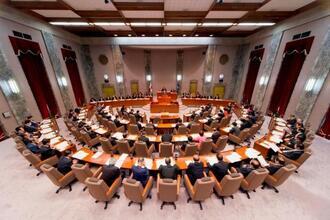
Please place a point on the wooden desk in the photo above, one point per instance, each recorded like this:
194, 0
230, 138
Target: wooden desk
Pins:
173, 95
157, 107
199, 101
125, 102
164, 118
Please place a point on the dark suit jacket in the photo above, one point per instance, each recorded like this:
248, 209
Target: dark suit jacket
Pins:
245, 170
293, 155
46, 152
166, 138
219, 170
109, 174
64, 165
140, 174
146, 140
168, 171
274, 168
195, 171
215, 136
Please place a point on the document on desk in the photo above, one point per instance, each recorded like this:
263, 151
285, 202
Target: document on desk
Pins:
45, 126
262, 161
280, 120
45, 131
152, 138
148, 163
162, 162
194, 135
80, 155
54, 140
132, 137
281, 124
275, 139
252, 153
265, 144
46, 121
233, 157
277, 133
186, 124
212, 160
188, 162
62, 146
97, 155
180, 138
274, 147
94, 127
208, 134
226, 129
121, 160
118, 135
101, 131
279, 128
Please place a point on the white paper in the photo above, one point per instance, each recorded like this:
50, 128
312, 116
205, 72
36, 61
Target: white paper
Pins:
45, 126
97, 154
80, 155
281, 124
101, 131
152, 138
262, 161
132, 137
45, 131
280, 120
49, 135
194, 135
203, 120
275, 139
279, 128
226, 129
274, 147
54, 140
233, 157
118, 135
277, 133
264, 144
94, 127
188, 162
162, 162
121, 160
252, 153
62, 146
46, 121
180, 138
208, 134
212, 160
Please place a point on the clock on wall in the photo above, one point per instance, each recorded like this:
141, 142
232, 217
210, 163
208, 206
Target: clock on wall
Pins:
103, 59
223, 59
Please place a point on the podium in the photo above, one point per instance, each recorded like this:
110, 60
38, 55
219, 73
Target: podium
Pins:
166, 102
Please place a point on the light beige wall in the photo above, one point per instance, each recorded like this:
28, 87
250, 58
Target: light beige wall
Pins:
9, 123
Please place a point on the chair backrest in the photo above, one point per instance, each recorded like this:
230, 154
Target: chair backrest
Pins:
256, 178
197, 117
112, 126
307, 153
32, 158
214, 124
206, 147
149, 129
223, 122
53, 174
244, 134
167, 190
254, 129
81, 171
203, 188
123, 147
106, 145
230, 183
20, 148
165, 149
132, 119
195, 128
190, 150
133, 190
133, 129
141, 149
182, 129
283, 174
85, 136
205, 114
221, 142
97, 188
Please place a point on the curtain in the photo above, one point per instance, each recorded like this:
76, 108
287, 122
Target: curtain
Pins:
255, 60
294, 56
30, 57
2, 134
324, 130
69, 57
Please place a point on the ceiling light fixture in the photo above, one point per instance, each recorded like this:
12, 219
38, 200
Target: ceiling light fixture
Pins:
170, 35
110, 23
256, 24
63, 23
211, 35
196, 35
143, 35
150, 24
115, 35
156, 35
129, 35
183, 35
220, 24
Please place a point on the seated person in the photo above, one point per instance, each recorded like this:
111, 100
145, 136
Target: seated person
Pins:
28, 127
168, 171
31, 143
235, 129
216, 134
276, 165
45, 150
117, 121
195, 170
144, 139
294, 154
20, 131
110, 172
178, 124
201, 138
167, 137
190, 141
246, 169
219, 169
90, 132
65, 162
140, 172
137, 115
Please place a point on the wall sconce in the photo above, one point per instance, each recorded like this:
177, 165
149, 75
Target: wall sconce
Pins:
106, 78
310, 84
263, 80
179, 77
221, 76
119, 78
148, 78
63, 81
10, 86
208, 78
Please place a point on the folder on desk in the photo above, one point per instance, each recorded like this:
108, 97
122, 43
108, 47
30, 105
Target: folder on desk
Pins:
212, 160
252, 153
97, 154
80, 155
121, 160
262, 161
233, 157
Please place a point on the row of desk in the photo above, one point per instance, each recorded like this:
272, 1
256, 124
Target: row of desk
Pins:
124, 102
202, 101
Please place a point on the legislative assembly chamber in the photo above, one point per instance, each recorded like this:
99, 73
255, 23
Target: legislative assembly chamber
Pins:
165, 109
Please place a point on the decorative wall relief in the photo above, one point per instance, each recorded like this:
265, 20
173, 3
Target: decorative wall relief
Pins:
267, 69
313, 86
88, 70
238, 70
119, 69
208, 69
56, 64
12, 91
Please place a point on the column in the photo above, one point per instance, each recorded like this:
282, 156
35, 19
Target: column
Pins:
119, 69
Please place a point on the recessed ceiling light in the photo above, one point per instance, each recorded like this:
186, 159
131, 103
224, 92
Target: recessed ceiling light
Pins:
129, 35
211, 35
196, 35
110, 23
143, 35
257, 24
210, 24
156, 35
115, 35
170, 35
183, 35
69, 23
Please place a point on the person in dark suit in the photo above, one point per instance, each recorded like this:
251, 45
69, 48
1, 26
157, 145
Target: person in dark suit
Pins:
168, 171
295, 153
166, 137
216, 134
246, 169
219, 169
190, 141
195, 170
145, 139
45, 150
64, 163
276, 165
110, 173
235, 129
178, 124
117, 121
140, 172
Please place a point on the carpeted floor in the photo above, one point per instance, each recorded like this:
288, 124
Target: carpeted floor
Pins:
25, 196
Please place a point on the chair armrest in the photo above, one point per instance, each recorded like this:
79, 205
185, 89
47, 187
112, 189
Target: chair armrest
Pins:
98, 172
120, 129
233, 170
217, 184
113, 188
67, 178
158, 179
178, 179
189, 187
151, 149
147, 188
51, 161
235, 139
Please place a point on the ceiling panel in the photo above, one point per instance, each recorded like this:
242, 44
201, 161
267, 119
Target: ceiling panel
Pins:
86, 5
143, 14
116, 28
280, 5
226, 14
188, 5
57, 13
243, 28
244, 1
179, 28
138, 0
33, 0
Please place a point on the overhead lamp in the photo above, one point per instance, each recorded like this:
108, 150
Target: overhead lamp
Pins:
256, 24
115, 35
10, 86
183, 35
66, 23
170, 35
110, 23
211, 35
129, 35
310, 84
217, 24
143, 35
150, 24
